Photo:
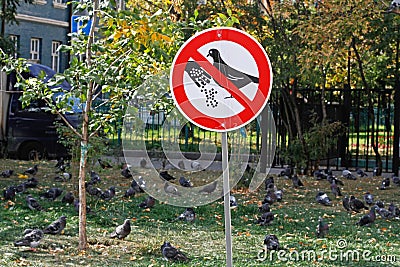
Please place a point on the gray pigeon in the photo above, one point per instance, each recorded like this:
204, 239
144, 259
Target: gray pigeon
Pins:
296, 181
52, 193
335, 189
171, 253
265, 219
57, 226
369, 218
171, 189
356, 204
394, 210
209, 188
232, 202
384, 213
348, 175
108, 194
322, 228
323, 199
94, 177
32, 238
385, 183
148, 203
264, 208
143, 163
33, 204
361, 173
271, 242
166, 176
7, 173
188, 215
130, 192
346, 203
32, 170
31, 182
68, 198
122, 230
93, 191
396, 180
185, 182
9, 193
369, 198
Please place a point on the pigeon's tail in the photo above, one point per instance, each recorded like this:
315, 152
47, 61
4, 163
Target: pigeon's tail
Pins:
22, 242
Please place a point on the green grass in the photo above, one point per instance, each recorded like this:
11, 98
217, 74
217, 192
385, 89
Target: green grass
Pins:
203, 241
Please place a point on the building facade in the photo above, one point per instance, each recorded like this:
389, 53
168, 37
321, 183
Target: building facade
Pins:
42, 27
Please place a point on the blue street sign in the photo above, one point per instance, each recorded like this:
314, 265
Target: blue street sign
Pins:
77, 25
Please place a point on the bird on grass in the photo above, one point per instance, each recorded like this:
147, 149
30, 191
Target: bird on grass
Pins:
269, 183
130, 192
332, 178
385, 183
264, 208
125, 172
148, 203
394, 5
356, 204
335, 189
369, 198
394, 209
367, 219
171, 189
323, 199
32, 238
265, 219
32, 170
52, 193
33, 204
92, 190
209, 188
57, 226
232, 202
31, 182
122, 231
348, 175
322, 228
104, 164
271, 242
296, 181
286, 173
396, 180
68, 198
94, 177
108, 194
7, 173
170, 253
185, 182
188, 215
361, 173
138, 185
166, 176
20, 188
9, 193
384, 213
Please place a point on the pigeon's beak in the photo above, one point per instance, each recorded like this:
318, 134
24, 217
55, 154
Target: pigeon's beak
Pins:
209, 54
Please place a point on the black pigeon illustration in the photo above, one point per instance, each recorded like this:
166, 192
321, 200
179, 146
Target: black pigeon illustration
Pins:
7, 173
166, 176
369, 198
32, 170
385, 184
31, 182
346, 203
232, 202
367, 219
323, 199
33, 204
104, 164
335, 189
52, 193
171, 253
238, 78
296, 181
348, 175
94, 177
32, 238
209, 188
148, 203
361, 173
264, 208
171, 189
130, 192
188, 215
57, 226
394, 209
356, 204
9, 193
68, 198
322, 228
125, 172
271, 242
185, 182
396, 180
122, 231
384, 213
108, 194
265, 219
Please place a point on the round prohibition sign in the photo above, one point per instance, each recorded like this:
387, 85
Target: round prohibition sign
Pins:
221, 79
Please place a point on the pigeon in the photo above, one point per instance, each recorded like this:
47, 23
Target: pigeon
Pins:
322, 228
125, 172
348, 175
65, 176
323, 199
185, 182
122, 231
384, 213
181, 165
356, 204
396, 180
52, 193
68, 198
335, 189
385, 183
148, 203
271, 242
375, 172
93, 191
369, 198
232, 202
9, 193
108, 194
171, 189
7, 173
331, 178
395, 4
361, 173
380, 204
138, 186
346, 203
286, 173
278, 194
394, 210
32, 170
130, 192
269, 183
320, 175
171, 253
32, 238
369, 218
238, 78
296, 181
20, 188
94, 177
196, 166
188, 215
265, 219
143, 163
104, 164
31, 182
269, 198
57, 226
264, 208
166, 176
209, 188
33, 204
60, 162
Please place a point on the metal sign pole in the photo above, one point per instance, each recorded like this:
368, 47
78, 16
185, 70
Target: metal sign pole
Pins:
227, 209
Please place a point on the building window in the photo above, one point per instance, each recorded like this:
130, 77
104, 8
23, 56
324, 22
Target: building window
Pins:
55, 56
40, 2
59, 4
35, 49
15, 40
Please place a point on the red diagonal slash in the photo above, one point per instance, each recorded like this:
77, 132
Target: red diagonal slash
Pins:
222, 80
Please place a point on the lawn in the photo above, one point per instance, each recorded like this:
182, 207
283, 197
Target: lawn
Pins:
203, 241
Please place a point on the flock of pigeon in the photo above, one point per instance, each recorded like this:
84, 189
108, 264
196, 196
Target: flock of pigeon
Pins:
32, 237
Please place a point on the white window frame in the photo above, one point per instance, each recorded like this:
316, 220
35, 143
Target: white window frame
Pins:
59, 4
55, 56
15, 40
35, 49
